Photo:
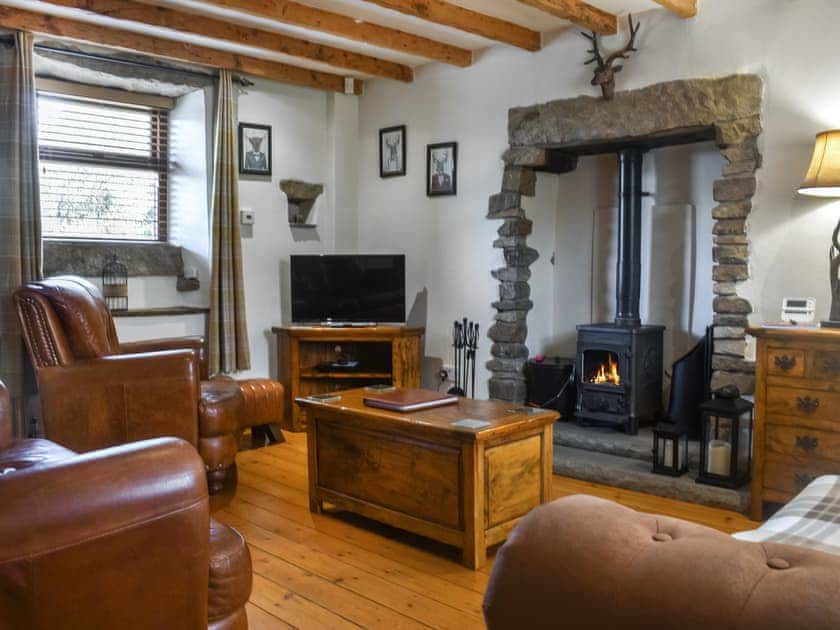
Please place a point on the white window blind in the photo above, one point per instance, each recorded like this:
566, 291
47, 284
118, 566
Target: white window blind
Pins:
103, 169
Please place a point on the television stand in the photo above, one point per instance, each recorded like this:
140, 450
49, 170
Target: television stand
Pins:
385, 354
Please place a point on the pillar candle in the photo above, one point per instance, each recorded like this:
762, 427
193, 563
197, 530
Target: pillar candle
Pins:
720, 456
668, 455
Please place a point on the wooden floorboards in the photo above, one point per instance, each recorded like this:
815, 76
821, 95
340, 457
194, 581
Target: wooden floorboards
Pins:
342, 571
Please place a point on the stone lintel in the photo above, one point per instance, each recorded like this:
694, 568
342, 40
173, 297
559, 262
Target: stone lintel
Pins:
673, 105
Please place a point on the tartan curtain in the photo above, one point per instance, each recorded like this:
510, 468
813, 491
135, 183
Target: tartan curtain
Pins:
228, 348
20, 213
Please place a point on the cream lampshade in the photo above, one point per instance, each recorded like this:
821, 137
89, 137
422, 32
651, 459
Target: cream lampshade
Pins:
823, 177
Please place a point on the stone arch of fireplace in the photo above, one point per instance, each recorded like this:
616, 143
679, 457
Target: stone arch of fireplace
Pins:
550, 136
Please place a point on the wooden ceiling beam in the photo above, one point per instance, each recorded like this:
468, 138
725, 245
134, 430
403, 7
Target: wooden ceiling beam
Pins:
683, 8
463, 19
304, 16
578, 13
42, 23
247, 36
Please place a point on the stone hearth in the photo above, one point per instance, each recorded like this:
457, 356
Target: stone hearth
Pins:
606, 456
544, 138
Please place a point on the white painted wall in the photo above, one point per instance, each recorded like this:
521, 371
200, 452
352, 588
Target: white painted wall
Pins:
447, 240
188, 226
314, 136
313, 139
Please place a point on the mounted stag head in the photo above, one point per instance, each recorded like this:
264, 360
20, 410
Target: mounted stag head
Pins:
605, 69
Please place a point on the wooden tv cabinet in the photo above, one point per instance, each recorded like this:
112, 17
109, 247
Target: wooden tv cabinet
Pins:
386, 354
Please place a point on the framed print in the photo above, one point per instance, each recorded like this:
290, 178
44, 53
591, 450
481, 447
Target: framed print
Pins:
441, 169
392, 151
254, 149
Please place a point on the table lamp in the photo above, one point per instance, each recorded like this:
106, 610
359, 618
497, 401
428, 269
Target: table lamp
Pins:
823, 180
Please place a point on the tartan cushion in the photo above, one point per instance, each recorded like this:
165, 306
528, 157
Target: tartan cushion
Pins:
811, 519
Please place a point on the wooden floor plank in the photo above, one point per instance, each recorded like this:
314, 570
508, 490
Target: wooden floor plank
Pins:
361, 610
378, 588
258, 619
428, 586
338, 570
421, 554
293, 608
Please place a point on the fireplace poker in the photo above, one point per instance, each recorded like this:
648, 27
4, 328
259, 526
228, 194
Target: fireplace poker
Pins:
465, 370
473, 348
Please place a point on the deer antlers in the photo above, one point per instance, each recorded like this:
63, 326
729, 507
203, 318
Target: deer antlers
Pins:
605, 70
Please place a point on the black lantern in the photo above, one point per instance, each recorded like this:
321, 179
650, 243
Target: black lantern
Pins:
670, 449
115, 285
726, 440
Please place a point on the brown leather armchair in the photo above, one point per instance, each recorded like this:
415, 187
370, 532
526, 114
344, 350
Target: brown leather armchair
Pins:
116, 538
97, 392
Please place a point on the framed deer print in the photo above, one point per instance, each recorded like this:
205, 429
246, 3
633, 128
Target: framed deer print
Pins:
254, 149
392, 151
441, 169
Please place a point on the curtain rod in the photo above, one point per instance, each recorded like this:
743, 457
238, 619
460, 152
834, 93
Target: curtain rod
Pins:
142, 64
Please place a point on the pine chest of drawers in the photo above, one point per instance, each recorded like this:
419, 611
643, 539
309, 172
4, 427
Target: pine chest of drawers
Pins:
797, 412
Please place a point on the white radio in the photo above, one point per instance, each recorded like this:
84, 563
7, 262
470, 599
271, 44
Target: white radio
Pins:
799, 310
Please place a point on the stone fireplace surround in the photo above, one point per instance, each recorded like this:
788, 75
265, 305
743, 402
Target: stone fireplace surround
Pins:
543, 138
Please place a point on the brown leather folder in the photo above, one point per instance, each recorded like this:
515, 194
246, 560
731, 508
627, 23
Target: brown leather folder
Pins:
409, 400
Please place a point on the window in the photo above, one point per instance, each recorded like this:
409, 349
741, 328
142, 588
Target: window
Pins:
103, 169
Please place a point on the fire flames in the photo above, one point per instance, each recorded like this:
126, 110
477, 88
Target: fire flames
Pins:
607, 373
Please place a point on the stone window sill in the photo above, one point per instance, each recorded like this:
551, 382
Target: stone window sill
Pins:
87, 258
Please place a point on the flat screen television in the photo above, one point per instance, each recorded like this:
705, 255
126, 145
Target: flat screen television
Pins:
352, 288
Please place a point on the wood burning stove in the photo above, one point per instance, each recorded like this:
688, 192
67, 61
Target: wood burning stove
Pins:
619, 364
619, 375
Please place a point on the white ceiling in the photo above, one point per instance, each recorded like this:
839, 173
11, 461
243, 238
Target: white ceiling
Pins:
510, 10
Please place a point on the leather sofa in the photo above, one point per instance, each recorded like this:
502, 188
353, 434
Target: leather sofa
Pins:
97, 392
586, 563
115, 538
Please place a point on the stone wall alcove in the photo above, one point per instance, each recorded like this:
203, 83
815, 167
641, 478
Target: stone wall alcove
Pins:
547, 138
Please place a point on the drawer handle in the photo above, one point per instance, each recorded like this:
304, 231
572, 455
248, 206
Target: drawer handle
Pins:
802, 480
807, 404
785, 363
807, 443
832, 365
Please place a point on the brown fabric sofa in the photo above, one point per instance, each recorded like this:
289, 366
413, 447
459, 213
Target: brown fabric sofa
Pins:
586, 563
97, 392
116, 538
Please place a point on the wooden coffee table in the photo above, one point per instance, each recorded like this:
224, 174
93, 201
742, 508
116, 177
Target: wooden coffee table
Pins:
465, 487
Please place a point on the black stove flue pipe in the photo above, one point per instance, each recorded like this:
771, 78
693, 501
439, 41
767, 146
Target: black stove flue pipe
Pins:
629, 272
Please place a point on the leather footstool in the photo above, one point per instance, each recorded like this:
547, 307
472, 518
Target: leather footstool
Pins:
262, 405
218, 428
230, 579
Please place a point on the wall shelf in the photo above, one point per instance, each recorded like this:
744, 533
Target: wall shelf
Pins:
166, 311
348, 375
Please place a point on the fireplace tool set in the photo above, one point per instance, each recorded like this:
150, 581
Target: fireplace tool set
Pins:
465, 344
